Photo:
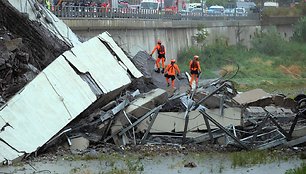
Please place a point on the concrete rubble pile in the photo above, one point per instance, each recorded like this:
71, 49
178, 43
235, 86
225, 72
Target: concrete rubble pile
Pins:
15, 66
26, 48
80, 101
215, 113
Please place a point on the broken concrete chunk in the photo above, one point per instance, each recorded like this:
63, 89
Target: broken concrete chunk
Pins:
174, 121
78, 144
143, 104
279, 112
299, 132
251, 96
144, 63
12, 45
118, 140
296, 141
211, 103
253, 112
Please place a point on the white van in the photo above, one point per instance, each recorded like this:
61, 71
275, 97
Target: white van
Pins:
216, 10
271, 4
150, 5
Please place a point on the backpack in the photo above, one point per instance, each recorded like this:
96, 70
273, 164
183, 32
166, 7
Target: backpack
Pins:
194, 65
161, 49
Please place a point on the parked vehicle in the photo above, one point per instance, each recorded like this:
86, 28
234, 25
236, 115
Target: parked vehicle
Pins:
229, 12
240, 12
197, 12
170, 6
215, 10
150, 5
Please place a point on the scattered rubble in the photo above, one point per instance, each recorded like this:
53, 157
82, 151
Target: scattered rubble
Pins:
231, 119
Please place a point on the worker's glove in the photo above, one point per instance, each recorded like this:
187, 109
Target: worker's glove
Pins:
178, 75
150, 55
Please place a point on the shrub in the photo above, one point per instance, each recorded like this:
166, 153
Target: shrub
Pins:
201, 36
282, 11
299, 30
269, 42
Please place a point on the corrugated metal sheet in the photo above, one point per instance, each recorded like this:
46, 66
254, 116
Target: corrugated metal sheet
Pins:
58, 27
58, 95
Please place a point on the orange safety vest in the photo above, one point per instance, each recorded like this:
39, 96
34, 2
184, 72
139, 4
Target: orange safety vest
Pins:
194, 65
170, 69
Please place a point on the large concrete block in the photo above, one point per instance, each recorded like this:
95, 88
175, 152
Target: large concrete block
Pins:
251, 96
145, 103
79, 144
174, 121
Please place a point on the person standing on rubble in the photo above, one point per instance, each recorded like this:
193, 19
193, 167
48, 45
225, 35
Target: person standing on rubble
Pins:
195, 70
161, 51
170, 72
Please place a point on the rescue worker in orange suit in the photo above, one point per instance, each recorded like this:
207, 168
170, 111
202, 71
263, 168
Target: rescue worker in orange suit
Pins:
161, 51
195, 70
170, 72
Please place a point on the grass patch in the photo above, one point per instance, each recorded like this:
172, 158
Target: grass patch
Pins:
250, 158
282, 71
299, 170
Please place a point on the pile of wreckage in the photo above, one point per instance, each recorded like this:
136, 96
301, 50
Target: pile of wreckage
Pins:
214, 113
78, 99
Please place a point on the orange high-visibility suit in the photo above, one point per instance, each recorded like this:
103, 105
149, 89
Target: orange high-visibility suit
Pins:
170, 72
195, 70
161, 51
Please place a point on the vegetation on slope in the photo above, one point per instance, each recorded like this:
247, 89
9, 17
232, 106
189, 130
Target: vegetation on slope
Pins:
272, 63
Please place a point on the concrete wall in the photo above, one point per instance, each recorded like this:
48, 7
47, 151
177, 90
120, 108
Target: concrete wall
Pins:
136, 35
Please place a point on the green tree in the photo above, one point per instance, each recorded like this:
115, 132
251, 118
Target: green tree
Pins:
201, 36
299, 30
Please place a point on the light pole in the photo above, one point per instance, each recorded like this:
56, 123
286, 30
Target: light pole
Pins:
202, 5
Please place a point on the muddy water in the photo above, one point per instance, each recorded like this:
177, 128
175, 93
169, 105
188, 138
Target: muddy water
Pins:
152, 165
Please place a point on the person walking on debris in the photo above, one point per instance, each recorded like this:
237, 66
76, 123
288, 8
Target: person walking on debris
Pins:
170, 72
195, 70
161, 51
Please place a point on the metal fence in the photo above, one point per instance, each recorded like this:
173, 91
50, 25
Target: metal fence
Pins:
101, 12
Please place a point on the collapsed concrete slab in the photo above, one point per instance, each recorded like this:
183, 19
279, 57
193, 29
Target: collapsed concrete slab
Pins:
174, 122
136, 109
251, 96
62, 91
148, 101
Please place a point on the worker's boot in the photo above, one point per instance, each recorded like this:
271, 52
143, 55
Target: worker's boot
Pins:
157, 70
163, 70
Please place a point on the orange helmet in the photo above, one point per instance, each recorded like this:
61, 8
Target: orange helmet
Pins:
159, 41
196, 57
172, 61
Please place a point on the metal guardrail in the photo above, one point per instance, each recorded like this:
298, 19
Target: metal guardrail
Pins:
101, 12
